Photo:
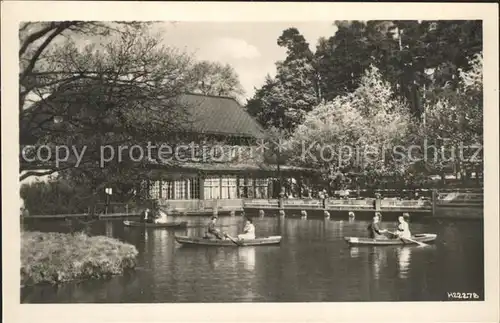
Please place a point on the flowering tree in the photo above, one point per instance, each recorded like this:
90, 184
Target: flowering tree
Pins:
356, 132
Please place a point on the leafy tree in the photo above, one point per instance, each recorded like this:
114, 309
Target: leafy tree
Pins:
267, 103
283, 101
56, 196
454, 119
342, 59
403, 51
296, 45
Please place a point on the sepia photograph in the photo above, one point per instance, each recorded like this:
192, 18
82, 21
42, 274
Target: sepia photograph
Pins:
166, 161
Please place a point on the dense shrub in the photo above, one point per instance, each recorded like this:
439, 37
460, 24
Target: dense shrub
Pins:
56, 196
57, 257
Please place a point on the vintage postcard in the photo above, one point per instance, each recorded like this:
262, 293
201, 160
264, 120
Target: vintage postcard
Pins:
255, 162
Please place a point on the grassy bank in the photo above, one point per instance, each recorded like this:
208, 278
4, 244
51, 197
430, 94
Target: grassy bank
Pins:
57, 257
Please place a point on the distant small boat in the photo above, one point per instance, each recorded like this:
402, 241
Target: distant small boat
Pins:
424, 237
272, 240
155, 225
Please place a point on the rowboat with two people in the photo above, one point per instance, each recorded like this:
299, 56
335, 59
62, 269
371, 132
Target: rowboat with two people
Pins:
202, 241
402, 235
415, 239
214, 237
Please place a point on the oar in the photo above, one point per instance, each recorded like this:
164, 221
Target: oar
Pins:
421, 244
233, 240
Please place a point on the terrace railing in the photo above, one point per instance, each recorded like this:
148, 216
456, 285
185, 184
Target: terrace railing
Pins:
350, 203
194, 205
459, 199
303, 203
261, 203
417, 204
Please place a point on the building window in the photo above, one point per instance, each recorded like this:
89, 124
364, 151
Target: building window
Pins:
229, 188
261, 188
179, 190
194, 188
212, 188
246, 189
154, 189
166, 190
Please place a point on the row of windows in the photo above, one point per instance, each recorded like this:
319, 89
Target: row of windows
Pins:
175, 190
213, 188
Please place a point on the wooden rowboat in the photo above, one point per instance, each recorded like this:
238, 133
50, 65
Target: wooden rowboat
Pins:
185, 240
424, 237
155, 225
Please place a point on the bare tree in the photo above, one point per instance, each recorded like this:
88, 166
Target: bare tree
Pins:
213, 78
38, 38
121, 91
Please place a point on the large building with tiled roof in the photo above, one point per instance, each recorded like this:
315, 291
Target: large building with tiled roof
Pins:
219, 115
238, 172
231, 169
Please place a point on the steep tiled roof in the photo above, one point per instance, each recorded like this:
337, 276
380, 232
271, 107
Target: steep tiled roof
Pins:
203, 114
219, 115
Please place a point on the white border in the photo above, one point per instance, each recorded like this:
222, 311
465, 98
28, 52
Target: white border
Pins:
13, 12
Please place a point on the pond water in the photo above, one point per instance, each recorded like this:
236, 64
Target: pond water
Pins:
312, 264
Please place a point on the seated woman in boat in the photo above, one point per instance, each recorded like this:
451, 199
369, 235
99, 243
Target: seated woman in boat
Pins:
403, 230
162, 217
212, 231
248, 231
376, 232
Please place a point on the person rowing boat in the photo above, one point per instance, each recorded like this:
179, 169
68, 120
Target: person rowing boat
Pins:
147, 216
248, 231
376, 232
212, 231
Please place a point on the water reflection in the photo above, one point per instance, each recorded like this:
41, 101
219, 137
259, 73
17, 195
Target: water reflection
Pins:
160, 238
280, 224
354, 252
404, 256
246, 256
336, 226
378, 259
213, 258
109, 229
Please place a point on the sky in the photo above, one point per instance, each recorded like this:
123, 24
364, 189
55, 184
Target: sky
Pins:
250, 48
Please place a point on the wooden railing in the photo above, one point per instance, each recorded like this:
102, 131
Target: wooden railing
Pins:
201, 205
261, 203
460, 199
418, 204
364, 203
303, 204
